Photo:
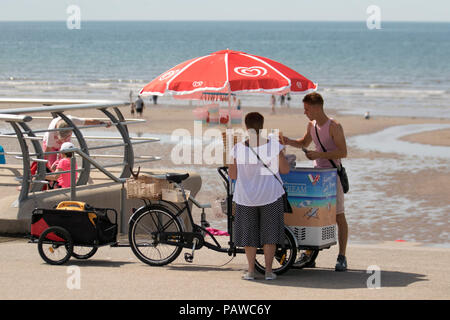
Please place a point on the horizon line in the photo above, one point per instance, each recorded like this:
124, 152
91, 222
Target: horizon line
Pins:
222, 20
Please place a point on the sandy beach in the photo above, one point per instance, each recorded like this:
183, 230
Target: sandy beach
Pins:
393, 196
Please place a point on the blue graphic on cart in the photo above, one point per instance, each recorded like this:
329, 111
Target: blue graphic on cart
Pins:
310, 187
302, 202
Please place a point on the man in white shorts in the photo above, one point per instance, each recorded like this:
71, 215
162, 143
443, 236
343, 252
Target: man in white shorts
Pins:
331, 135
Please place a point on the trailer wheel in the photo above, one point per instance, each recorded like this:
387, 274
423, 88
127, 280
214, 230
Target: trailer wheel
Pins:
55, 245
83, 253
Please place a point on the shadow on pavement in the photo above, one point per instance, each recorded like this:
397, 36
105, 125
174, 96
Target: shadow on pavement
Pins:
96, 263
323, 278
352, 279
196, 268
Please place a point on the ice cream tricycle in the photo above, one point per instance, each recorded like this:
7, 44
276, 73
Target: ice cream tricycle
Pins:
157, 231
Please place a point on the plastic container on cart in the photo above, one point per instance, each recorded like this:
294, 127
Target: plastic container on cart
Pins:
224, 116
312, 195
213, 113
200, 114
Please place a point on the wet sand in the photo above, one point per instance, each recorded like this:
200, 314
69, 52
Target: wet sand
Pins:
435, 138
393, 195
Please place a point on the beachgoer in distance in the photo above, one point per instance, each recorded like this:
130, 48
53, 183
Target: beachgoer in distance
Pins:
273, 101
139, 106
53, 140
132, 105
332, 136
155, 99
259, 219
236, 103
133, 108
63, 179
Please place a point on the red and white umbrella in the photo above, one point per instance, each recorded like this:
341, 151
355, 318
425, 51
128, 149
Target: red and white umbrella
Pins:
228, 72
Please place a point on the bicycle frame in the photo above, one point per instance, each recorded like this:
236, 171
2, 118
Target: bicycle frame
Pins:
200, 230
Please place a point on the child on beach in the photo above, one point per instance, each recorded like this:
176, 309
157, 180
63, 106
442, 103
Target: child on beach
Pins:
63, 164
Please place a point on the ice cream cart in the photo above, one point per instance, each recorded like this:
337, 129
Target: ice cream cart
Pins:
312, 195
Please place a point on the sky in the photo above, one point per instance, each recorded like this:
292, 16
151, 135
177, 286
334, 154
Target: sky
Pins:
277, 10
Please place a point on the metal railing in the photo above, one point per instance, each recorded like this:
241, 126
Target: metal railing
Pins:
19, 119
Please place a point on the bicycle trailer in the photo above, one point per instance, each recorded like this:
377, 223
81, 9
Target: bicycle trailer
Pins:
85, 224
70, 224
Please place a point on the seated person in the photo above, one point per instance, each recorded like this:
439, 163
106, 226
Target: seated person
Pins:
63, 164
53, 140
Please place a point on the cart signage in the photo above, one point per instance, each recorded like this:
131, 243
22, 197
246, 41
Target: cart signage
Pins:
312, 195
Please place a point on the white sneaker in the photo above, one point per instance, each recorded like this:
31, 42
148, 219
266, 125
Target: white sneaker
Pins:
248, 276
270, 276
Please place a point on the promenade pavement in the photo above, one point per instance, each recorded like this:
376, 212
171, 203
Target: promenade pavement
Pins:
407, 271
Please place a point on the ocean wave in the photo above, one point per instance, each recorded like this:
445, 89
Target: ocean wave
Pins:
25, 82
100, 85
386, 92
122, 81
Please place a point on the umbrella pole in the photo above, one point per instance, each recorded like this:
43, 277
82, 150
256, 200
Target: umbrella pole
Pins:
229, 107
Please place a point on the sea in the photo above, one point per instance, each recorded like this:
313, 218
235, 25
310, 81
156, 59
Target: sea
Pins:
402, 69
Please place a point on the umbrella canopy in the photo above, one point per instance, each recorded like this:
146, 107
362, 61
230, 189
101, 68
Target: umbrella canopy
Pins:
229, 72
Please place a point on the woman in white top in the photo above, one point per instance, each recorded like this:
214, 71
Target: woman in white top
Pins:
259, 220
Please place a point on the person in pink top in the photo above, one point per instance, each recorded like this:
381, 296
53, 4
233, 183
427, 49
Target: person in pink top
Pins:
63, 164
331, 135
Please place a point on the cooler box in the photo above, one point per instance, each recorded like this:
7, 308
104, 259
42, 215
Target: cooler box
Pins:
312, 195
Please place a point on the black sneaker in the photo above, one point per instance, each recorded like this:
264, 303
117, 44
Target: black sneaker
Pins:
341, 263
304, 259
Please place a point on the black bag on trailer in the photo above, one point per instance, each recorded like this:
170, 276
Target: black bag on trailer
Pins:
106, 230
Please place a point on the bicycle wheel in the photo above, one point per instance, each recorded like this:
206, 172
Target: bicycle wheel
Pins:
284, 256
55, 245
146, 226
83, 253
